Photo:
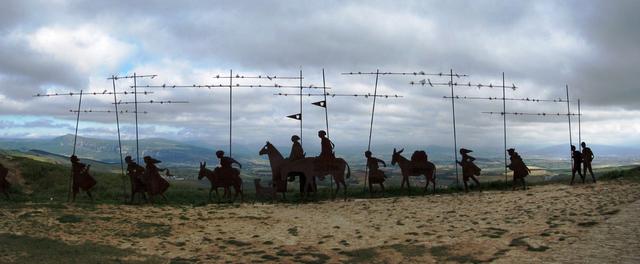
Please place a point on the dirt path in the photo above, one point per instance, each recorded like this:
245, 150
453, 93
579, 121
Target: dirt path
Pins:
544, 224
617, 240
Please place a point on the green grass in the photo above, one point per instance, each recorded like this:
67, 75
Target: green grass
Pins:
49, 183
24, 249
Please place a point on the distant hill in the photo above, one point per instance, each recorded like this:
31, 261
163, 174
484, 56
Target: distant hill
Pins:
562, 151
103, 150
177, 153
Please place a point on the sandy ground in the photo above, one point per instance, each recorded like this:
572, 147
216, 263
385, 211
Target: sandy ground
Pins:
595, 223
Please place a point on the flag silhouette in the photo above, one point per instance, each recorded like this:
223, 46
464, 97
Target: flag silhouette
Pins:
296, 116
320, 103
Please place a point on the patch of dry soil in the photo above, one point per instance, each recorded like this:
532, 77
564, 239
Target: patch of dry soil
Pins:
551, 223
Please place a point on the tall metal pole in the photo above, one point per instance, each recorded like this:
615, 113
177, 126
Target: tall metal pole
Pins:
301, 107
504, 128
135, 100
75, 138
455, 138
230, 109
326, 119
569, 118
579, 126
373, 111
326, 110
115, 103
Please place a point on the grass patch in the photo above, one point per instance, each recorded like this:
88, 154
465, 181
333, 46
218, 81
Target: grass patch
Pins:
237, 243
148, 230
493, 232
588, 224
65, 219
410, 251
365, 255
293, 231
443, 254
25, 249
49, 183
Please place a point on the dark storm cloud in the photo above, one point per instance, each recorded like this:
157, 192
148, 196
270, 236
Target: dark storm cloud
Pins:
541, 45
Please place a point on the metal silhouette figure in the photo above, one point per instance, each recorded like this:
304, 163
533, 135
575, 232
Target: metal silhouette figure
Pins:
156, 185
376, 176
309, 168
217, 180
326, 147
276, 160
469, 169
519, 168
296, 149
297, 153
576, 157
136, 175
587, 158
418, 165
4, 184
81, 178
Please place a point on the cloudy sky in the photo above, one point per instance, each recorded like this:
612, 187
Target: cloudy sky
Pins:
541, 46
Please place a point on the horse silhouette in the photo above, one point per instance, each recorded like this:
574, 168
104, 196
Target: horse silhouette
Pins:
218, 180
283, 168
414, 168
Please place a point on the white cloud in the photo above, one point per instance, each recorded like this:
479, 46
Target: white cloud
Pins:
87, 47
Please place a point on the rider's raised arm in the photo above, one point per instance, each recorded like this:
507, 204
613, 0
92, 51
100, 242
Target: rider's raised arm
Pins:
236, 162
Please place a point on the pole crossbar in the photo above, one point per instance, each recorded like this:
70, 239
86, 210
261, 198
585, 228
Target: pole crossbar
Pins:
421, 73
89, 93
507, 99
134, 76
532, 114
153, 102
342, 95
258, 77
469, 84
209, 86
107, 111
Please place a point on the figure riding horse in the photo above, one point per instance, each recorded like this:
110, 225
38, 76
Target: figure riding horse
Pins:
283, 168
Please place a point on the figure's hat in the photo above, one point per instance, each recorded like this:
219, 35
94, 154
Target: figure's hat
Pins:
465, 151
295, 137
149, 159
74, 158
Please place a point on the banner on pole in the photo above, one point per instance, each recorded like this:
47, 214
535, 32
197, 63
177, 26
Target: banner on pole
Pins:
320, 103
296, 116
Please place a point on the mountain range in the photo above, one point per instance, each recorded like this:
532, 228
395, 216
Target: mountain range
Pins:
188, 154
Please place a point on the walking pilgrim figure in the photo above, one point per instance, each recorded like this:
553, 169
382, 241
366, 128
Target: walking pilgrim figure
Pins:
469, 169
376, 176
576, 157
136, 177
81, 178
587, 158
156, 185
519, 168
